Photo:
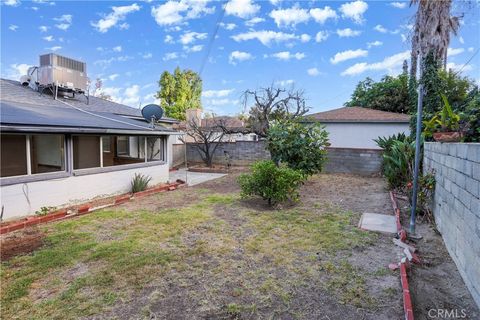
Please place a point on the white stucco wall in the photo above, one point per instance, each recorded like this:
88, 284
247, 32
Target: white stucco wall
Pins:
361, 135
25, 198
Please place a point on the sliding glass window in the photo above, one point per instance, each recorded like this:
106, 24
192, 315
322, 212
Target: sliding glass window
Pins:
86, 152
14, 155
47, 153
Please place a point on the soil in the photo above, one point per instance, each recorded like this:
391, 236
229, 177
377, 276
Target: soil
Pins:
20, 242
436, 283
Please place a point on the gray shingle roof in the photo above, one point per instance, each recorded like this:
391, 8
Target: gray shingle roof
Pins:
11, 90
22, 107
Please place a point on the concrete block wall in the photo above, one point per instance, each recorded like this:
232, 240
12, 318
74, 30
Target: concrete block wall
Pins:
342, 160
353, 160
456, 204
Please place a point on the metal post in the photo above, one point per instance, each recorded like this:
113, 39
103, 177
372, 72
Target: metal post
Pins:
418, 134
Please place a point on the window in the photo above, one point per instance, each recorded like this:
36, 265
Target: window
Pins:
126, 150
86, 152
14, 155
154, 149
47, 153
106, 144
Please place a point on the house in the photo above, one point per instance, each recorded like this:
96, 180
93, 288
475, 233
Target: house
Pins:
356, 127
60, 151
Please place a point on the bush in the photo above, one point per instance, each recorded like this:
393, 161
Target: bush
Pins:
386, 142
301, 146
398, 163
140, 182
272, 183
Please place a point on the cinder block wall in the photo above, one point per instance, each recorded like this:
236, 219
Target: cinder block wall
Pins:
353, 160
343, 160
456, 204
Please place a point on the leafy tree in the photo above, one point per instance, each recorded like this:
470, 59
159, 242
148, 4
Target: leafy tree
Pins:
389, 94
301, 146
272, 183
179, 91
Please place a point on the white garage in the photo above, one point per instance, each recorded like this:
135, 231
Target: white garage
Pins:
355, 127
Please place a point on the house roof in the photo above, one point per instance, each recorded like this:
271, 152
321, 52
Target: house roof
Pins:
12, 90
29, 111
227, 121
358, 114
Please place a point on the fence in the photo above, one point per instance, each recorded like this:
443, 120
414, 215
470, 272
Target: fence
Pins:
456, 204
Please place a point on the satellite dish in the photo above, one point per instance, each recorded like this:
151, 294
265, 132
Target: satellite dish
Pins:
152, 112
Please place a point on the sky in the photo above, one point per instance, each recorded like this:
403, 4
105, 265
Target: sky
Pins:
321, 47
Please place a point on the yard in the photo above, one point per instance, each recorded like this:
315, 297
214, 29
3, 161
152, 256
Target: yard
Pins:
203, 253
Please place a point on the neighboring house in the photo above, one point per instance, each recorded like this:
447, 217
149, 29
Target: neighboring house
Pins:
55, 152
355, 127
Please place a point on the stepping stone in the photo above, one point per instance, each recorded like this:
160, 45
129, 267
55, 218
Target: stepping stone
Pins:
378, 222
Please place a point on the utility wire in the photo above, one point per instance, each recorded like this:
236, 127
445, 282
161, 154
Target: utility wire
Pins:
468, 62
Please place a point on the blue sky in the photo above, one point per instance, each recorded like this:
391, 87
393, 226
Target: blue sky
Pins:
322, 47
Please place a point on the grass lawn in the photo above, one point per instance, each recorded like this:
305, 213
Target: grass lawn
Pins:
202, 252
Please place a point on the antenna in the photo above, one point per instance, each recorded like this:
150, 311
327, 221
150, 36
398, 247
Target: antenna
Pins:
152, 113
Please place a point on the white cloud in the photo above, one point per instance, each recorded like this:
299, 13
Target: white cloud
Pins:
131, 96
12, 3
241, 8
275, 2
380, 28
191, 37
65, 21
265, 37
313, 72
348, 32
168, 39
305, 38
170, 56
286, 55
285, 83
48, 38
253, 21
43, 28
228, 26
54, 48
44, 2
399, 5
470, 49
238, 56
117, 49
289, 17
374, 44
17, 70
217, 93
347, 55
322, 15
390, 64
454, 51
147, 55
195, 48
460, 39
117, 15
13, 27
106, 62
354, 10
321, 36
114, 76
457, 67
124, 26
221, 102
178, 12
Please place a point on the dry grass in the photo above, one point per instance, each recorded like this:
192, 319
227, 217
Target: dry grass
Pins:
216, 256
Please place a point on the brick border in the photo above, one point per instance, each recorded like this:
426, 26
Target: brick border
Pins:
85, 208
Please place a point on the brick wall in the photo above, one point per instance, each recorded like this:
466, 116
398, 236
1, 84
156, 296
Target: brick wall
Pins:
359, 161
456, 204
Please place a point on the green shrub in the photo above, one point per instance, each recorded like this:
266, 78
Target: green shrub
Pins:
140, 182
398, 163
272, 183
386, 142
301, 146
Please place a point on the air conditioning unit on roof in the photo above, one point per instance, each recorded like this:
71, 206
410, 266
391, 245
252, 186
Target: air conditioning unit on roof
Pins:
68, 74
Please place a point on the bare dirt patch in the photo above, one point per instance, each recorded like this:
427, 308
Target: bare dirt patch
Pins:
20, 242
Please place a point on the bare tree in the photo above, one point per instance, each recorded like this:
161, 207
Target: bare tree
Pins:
272, 103
433, 25
206, 139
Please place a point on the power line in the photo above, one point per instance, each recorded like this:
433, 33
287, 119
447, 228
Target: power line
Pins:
466, 63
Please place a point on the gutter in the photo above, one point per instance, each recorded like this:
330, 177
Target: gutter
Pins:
40, 129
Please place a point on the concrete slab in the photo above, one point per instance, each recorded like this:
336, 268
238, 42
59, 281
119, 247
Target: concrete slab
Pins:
378, 222
194, 178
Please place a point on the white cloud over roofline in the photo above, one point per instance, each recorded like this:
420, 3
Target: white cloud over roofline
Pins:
390, 64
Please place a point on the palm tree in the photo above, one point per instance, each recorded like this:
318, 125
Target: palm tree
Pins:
433, 25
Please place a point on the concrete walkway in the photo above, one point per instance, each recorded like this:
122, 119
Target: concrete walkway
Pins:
194, 178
